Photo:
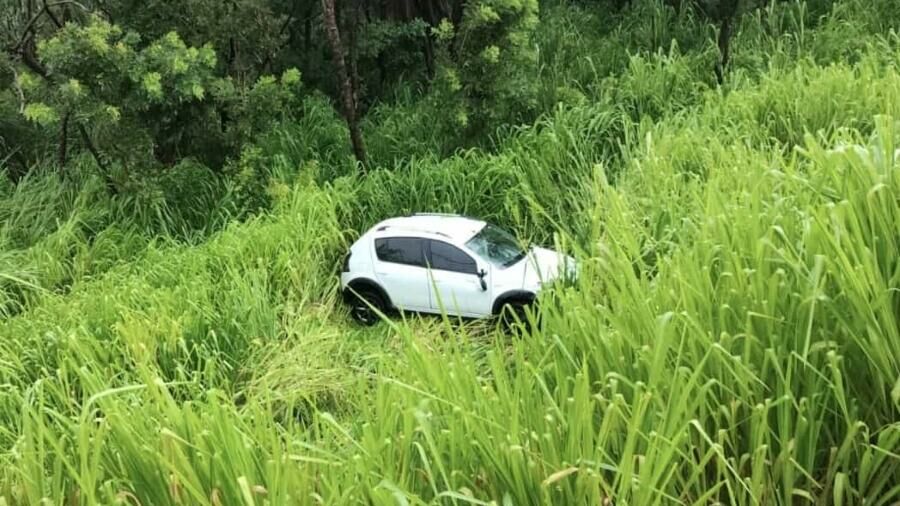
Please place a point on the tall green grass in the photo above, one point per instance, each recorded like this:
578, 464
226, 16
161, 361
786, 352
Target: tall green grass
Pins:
733, 338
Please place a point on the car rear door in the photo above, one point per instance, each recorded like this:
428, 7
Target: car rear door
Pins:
456, 286
400, 268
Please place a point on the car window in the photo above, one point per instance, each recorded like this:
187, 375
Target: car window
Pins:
450, 258
497, 246
401, 250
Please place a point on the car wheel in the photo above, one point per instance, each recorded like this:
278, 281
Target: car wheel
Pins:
514, 312
366, 306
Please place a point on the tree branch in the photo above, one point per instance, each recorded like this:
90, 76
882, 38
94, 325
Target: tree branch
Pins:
101, 6
110, 184
52, 16
270, 55
90, 145
286, 24
34, 19
17, 87
31, 61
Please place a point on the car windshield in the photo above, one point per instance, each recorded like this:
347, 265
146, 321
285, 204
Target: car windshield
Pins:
496, 245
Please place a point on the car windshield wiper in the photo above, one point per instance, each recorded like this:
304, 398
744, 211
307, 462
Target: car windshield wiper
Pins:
514, 260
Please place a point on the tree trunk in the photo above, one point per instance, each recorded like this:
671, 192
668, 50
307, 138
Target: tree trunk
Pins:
428, 53
725, 31
62, 154
354, 52
456, 17
427, 43
110, 184
344, 84
307, 29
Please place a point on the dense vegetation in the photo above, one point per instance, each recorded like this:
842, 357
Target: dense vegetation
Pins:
182, 179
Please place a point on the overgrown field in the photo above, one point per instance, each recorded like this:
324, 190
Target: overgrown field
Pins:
734, 337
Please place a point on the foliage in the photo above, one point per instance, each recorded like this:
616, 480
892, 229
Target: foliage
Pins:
246, 34
486, 65
733, 337
148, 103
103, 79
389, 55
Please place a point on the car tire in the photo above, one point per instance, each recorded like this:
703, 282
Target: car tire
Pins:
366, 306
515, 312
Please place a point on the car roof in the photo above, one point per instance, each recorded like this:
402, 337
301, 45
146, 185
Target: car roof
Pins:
454, 227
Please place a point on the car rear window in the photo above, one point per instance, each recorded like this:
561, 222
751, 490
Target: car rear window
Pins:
401, 250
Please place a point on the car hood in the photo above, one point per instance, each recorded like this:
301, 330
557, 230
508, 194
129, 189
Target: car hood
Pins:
540, 266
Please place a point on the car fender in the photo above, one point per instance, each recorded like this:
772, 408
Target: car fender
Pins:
359, 283
510, 296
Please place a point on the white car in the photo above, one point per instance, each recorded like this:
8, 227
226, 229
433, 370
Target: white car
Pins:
437, 263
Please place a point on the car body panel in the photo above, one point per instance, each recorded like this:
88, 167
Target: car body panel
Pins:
406, 285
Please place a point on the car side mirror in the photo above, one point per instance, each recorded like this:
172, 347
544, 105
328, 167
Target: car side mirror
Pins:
481, 274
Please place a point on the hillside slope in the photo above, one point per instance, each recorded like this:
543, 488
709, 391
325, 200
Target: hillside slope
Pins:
734, 337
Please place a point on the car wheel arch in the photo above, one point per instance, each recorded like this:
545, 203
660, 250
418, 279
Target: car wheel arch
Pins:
520, 296
359, 284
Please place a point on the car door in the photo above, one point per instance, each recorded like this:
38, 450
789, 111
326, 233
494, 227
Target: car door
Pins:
456, 286
400, 268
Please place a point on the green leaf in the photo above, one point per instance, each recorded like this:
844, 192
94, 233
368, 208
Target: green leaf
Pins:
72, 89
486, 14
27, 81
112, 113
290, 77
895, 392
152, 84
41, 113
208, 55
197, 91
444, 31
491, 54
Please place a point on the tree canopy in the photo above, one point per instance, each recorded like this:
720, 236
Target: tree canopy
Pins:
142, 85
